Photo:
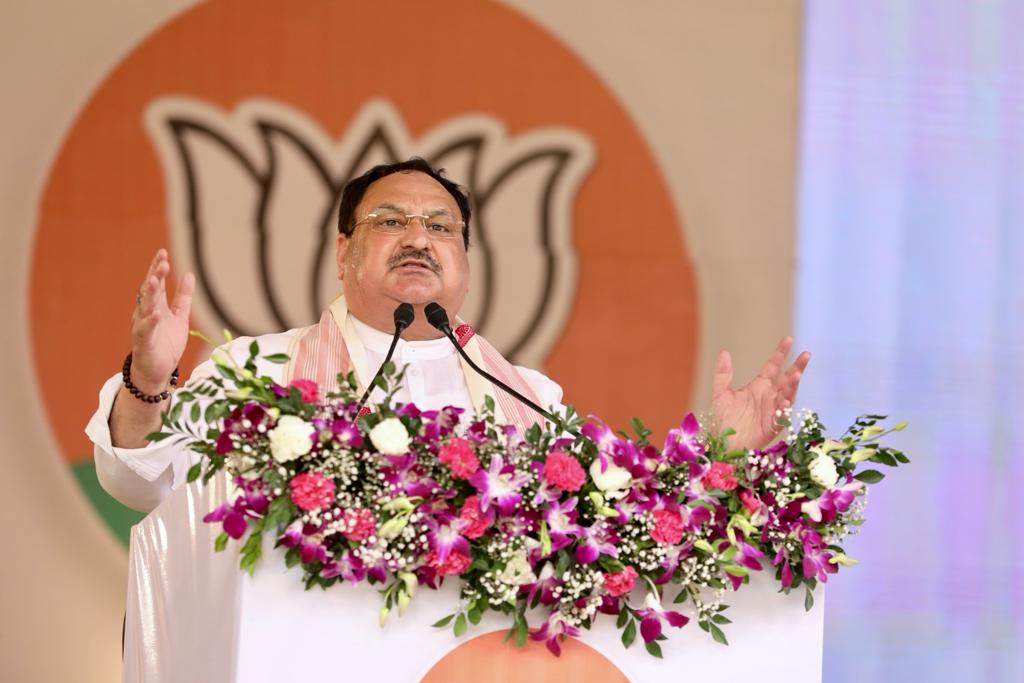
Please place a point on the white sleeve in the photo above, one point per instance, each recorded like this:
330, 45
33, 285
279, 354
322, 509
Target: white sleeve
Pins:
137, 477
142, 477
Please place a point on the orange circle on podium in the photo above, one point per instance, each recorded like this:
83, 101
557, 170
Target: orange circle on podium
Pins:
487, 659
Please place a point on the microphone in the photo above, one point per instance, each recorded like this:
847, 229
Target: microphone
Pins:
404, 315
437, 317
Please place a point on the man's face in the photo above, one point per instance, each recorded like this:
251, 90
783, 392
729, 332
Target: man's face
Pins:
379, 270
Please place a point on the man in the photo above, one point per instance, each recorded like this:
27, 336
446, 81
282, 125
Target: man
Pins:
404, 233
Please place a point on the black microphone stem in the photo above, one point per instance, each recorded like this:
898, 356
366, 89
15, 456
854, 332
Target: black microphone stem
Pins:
403, 318
447, 330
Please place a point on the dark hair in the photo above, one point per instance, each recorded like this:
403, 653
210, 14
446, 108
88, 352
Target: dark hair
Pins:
356, 188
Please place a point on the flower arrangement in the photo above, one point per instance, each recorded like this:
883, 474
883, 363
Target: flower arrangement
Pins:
573, 526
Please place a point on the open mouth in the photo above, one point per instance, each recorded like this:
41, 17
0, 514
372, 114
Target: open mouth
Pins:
415, 266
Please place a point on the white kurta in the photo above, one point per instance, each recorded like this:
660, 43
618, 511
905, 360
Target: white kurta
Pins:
143, 477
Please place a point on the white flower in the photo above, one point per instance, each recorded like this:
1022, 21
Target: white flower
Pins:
823, 471
291, 438
612, 479
517, 572
390, 437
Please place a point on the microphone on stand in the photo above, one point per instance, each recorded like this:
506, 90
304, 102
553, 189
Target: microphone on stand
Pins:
437, 317
404, 315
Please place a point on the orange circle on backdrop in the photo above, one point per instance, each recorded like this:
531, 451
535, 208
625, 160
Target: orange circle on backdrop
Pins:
506, 663
629, 345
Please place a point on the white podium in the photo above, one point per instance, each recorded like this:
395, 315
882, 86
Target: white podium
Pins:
194, 616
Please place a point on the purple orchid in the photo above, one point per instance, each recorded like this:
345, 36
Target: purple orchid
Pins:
499, 485
444, 537
545, 585
651, 616
560, 517
553, 630
347, 566
597, 540
680, 444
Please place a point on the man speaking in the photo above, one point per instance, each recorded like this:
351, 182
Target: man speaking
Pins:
404, 235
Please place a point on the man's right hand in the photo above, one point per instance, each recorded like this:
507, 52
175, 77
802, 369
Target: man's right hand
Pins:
159, 334
159, 329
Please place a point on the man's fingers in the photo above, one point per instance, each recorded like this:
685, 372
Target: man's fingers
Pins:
146, 292
183, 294
722, 379
789, 382
770, 369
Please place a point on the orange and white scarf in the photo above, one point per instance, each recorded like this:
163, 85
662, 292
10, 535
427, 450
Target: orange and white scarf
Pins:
321, 351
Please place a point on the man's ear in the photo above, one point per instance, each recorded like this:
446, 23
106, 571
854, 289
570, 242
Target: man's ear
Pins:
340, 250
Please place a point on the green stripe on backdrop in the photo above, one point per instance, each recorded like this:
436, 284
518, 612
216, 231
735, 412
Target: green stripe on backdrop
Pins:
119, 518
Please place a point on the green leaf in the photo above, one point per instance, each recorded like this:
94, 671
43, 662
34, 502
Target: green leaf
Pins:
221, 542
654, 648
629, 634
521, 631
718, 634
158, 436
292, 557
441, 623
474, 616
884, 458
175, 411
808, 599
623, 616
254, 349
278, 358
460, 625
226, 373
869, 476
195, 412
721, 619
195, 471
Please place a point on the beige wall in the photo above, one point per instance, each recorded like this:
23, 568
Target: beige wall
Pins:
712, 87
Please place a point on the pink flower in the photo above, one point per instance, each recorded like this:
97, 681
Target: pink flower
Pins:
459, 456
668, 527
750, 501
475, 521
620, 583
360, 524
564, 471
455, 563
718, 477
309, 389
311, 491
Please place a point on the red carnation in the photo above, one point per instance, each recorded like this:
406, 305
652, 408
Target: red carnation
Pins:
311, 491
750, 501
668, 527
620, 583
309, 389
360, 524
456, 563
564, 471
718, 477
459, 456
476, 522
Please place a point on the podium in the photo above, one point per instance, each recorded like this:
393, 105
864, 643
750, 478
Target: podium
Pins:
193, 615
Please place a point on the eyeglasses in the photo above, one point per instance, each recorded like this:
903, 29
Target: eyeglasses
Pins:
438, 227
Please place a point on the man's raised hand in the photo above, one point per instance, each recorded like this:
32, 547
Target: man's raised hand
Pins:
159, 327
751, 410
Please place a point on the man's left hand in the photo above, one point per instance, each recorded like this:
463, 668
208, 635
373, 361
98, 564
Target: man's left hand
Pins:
751, 410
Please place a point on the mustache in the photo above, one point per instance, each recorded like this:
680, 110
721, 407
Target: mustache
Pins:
421, 255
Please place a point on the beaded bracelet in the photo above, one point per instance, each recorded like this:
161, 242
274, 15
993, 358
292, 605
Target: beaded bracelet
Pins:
134, 390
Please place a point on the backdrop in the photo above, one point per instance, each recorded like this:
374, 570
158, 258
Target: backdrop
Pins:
635, 172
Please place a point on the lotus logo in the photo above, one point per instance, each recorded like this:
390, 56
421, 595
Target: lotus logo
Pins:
253, 198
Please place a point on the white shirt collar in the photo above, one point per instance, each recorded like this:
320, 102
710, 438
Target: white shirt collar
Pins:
378, 342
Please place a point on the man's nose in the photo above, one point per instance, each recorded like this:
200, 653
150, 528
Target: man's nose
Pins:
415, 233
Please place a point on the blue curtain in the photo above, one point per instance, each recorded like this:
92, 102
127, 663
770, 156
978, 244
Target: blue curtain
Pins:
910, 293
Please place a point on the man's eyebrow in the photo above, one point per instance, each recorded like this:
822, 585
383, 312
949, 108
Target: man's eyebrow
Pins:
403, 210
